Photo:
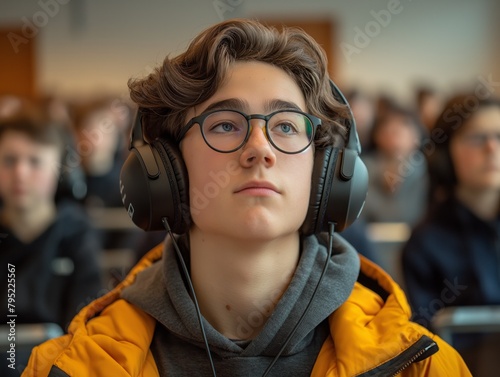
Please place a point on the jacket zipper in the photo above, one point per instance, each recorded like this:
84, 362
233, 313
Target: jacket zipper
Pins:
420, 350
419, 356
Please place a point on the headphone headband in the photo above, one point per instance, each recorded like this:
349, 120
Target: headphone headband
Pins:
352, 136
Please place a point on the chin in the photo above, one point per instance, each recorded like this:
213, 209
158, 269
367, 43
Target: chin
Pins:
268, 233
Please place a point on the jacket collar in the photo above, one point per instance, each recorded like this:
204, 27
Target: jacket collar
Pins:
371, 333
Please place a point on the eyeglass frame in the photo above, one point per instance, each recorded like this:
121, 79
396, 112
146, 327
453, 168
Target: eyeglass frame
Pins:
479, 139
200, 119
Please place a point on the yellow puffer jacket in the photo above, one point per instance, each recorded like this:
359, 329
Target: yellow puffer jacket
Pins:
370, 336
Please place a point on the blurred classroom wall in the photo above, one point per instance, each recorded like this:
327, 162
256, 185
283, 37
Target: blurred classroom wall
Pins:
85, 47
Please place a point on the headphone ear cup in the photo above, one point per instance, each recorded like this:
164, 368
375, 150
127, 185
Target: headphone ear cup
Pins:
153, 185
321, 182
348, 192
178, 190
338, 190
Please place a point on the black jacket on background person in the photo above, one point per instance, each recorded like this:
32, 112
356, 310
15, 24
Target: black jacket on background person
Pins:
56, 274
453, 259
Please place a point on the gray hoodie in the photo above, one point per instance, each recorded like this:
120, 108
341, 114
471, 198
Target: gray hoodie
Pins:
178, 346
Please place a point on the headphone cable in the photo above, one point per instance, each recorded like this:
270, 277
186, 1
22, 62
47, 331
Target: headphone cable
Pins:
198, 312
306, 310
191, 289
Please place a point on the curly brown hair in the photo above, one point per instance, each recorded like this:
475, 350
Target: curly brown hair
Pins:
165, 96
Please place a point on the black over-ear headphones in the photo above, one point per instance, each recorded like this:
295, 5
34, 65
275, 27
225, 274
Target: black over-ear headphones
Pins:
154, 182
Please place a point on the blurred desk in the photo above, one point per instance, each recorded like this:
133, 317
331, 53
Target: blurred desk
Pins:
466, 319
111, 219
120, 236
388, 232
30, 334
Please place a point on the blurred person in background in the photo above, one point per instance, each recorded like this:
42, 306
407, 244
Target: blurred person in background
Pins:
458, 242
52, 247
428, 106
384, 102
10, 104
100, 127
398, 185
364, 110
72, 179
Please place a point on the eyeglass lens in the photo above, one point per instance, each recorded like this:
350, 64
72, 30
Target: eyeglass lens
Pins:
480, 139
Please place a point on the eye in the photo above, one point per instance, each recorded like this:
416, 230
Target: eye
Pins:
285, 128
288, 123
9, 160
223, 127
224, 122
35, 161
476, 139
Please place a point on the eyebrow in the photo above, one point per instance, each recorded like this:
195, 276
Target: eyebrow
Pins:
277, 104
241, 105
229, 104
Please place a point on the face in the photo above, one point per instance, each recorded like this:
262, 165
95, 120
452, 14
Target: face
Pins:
28, 171
475, 151
397, 136
256, 192
430, 109
98, 138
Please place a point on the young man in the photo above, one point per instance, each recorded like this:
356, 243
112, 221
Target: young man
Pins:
250, 110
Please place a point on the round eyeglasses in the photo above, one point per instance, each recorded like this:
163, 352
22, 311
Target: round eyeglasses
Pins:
225, 131
479, 139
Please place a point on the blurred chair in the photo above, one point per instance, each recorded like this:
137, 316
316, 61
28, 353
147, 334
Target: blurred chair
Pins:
477, 325
466, 319
111, 219
388, 239
26, 337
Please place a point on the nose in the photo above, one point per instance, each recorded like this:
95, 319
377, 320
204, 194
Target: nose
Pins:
257, 149
492, 142
20, 170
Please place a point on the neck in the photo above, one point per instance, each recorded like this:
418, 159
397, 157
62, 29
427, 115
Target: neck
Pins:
483, 203
27, 224
258, 272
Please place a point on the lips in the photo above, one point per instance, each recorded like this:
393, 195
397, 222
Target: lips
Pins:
257, 186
